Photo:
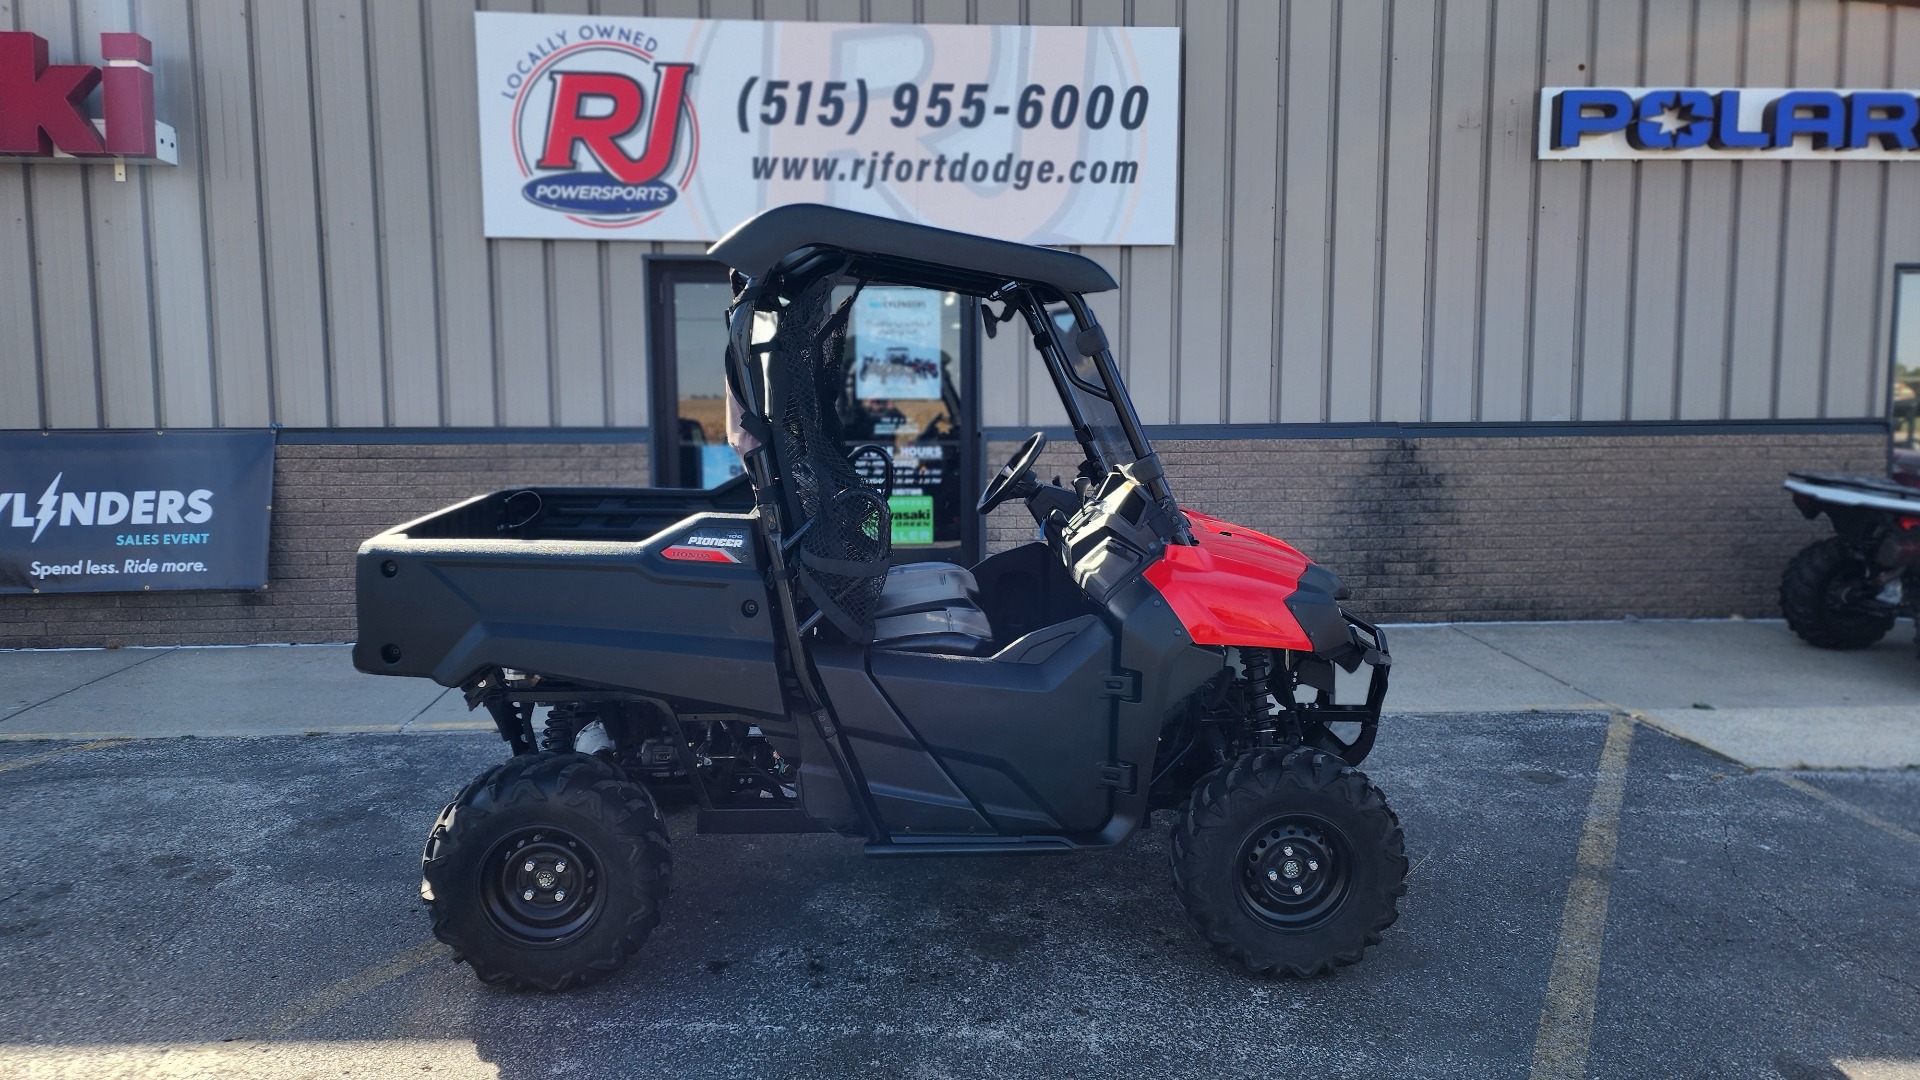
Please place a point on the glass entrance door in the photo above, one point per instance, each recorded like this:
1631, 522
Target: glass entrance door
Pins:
907, 390
689, 352
909, 386
1904, 409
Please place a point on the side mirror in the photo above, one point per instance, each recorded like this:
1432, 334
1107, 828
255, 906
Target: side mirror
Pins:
991, 322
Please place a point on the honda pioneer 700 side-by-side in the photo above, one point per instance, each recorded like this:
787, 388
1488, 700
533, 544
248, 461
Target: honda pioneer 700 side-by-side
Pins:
754, 643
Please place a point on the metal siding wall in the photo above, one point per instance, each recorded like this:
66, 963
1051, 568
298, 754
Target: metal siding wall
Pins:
1760, 209
1560, 232
70, 368
1256, 177
1900, 235
1367, 234
1853, 310
19, 373
1600, 359
228, 163
404, 191
357, 329
1705, 292
1207, 106
1806, 263
1289, 380
176, 237
290, 192
1458, 227
1150, 278
123, 307
1400, 386
463, 261
1660, 207
1359, 188
1507, 267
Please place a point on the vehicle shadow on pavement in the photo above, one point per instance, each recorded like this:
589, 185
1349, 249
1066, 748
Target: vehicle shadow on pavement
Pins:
178, 892
783, 954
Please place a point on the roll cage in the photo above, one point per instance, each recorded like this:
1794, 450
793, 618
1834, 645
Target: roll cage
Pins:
780, 253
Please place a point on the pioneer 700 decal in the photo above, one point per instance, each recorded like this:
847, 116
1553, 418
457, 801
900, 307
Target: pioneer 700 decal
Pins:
129, 511
710, 545
678, 129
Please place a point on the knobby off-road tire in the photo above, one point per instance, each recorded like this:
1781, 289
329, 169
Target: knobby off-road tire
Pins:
1807, 598
1289, 861
546, 872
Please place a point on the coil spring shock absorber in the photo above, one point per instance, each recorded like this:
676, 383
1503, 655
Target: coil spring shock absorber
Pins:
1259, 669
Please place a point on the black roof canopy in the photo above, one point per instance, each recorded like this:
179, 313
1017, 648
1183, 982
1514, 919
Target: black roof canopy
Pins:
901, 251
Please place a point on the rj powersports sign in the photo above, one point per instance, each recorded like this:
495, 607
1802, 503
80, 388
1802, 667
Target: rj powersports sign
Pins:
132, 511
679, 129
1600, 124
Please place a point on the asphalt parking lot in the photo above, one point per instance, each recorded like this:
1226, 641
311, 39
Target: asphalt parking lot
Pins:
213, 906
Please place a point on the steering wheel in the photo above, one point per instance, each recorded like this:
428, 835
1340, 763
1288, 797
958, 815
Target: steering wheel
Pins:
1013, 475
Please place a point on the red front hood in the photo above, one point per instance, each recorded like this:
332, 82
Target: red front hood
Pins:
1231, 587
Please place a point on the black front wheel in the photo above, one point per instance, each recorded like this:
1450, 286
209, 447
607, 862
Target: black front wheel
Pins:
1827, 596
1289, 861
547, 872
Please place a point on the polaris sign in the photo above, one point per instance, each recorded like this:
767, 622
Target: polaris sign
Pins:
1704, 124
127, 512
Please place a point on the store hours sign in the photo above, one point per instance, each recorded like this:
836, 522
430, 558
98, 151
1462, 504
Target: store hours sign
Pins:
679, 129
134, 511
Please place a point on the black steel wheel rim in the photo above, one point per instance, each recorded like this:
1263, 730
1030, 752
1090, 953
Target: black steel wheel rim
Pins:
1295, 872
542, 885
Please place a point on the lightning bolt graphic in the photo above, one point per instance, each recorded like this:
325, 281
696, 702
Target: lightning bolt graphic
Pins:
47, 502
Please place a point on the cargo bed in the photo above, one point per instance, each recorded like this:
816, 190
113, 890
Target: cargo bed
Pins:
572, 584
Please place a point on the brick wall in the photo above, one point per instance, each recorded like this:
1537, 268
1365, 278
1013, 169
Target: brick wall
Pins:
326, 501
1578, 527
1423, 529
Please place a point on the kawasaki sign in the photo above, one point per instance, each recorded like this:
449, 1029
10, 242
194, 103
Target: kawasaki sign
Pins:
1704, 124
43, 114
134, 512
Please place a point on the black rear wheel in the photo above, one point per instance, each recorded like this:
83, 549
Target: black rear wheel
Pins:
1825, 595
1289, 861
547, 872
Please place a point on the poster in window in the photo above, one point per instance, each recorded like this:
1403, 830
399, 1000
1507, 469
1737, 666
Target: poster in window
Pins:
896, 337
912, 519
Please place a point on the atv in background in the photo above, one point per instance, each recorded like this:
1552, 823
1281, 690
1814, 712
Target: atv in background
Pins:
1845, 592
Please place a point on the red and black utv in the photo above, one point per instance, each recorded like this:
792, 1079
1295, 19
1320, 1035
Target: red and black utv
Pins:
755, 644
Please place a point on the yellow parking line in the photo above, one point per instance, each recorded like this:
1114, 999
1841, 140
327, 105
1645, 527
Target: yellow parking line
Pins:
353, 986
1573, 984
35, 759
1858, 813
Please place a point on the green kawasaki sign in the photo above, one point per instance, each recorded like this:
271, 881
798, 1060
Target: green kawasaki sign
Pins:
912, 518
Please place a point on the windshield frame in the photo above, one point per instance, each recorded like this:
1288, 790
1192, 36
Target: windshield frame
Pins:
1091, 405
1131, 454
1119, 444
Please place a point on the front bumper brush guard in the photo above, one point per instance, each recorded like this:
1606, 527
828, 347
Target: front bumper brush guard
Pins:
1366, 644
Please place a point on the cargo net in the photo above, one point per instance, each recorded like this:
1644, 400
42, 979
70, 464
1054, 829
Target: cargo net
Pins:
846, 529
